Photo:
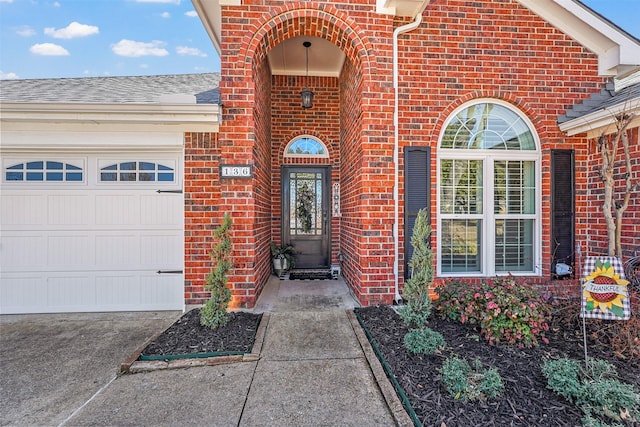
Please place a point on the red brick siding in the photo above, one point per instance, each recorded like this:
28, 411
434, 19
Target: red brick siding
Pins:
496, 49
201, 210
462, 51
594, 231
289, 121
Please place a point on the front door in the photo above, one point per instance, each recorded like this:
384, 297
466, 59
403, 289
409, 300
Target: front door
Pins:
305, 215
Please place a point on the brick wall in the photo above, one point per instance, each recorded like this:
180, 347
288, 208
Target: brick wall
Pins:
495, 49
201, 210
594, 237
290, 120
462, 51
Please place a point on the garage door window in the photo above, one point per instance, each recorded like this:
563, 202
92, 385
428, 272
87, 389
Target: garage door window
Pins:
44, 171
135, 171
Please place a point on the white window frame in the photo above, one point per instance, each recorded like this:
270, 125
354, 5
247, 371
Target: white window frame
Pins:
488, 217
299, 137
106, 162
79, 162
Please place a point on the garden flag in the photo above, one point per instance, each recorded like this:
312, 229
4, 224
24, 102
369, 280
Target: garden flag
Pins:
604, 289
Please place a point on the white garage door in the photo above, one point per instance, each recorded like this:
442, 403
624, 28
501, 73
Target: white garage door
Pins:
98, 232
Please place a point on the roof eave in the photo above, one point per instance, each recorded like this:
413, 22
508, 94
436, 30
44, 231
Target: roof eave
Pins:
185, 116
602, 121
618, 52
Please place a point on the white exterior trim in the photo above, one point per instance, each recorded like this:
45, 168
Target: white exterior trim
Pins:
488, 218
602, 121
180, 117
618, 53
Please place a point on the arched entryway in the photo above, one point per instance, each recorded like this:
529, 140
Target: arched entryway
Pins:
265, 115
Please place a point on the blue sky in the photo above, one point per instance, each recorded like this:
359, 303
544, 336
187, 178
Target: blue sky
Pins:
84, 38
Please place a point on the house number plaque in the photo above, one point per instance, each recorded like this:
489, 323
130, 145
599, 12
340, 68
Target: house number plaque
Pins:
236, 171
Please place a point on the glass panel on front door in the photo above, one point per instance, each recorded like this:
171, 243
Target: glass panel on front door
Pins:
305, 204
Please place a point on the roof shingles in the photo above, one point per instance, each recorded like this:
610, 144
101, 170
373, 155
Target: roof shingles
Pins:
112, 90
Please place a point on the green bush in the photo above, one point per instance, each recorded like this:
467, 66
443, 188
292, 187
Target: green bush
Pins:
416, 289
505, 310
595, 389
424, 340
214, 313
463, 381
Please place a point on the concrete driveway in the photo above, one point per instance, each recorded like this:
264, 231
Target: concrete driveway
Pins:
52, 364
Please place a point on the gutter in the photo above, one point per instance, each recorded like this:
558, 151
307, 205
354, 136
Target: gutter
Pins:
396, 148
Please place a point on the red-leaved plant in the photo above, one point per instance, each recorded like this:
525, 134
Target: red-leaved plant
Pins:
504, 310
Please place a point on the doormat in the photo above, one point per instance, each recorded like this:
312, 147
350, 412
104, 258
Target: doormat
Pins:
309, 275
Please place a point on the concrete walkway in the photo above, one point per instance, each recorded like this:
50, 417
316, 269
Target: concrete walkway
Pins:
312, 371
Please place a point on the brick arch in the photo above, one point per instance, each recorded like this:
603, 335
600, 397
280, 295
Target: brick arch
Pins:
320, 135
516, 101
311, 19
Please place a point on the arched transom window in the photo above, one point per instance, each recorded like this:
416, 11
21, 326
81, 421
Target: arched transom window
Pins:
488, 192
306, 146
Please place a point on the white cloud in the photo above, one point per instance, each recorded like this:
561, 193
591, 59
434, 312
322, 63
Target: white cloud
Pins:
134, 49
56, 4
25, 31
159, 1
191, 14
7, 76
48, 49
72, 31
165, 15
191, 51
144, 66
6, 1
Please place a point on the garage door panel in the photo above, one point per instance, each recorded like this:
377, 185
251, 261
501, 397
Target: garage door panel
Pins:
66, 209
22, 210
117, 251
22, 251
90, 245
160, 251
162, 287
70, 252
118, 290
160, 210
18, 292
70, 293
118, 210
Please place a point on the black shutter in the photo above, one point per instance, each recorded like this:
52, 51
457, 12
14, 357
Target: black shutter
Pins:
562, 208
417, 193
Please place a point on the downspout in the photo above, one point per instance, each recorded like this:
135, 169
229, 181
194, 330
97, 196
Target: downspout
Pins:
396, 149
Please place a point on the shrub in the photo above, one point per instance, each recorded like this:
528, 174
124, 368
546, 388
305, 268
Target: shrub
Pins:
504, 310
595, 389
214, 313
424, 340
416, 289
463, 381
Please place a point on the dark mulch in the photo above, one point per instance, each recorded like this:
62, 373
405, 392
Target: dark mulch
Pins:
526, 400
187, 336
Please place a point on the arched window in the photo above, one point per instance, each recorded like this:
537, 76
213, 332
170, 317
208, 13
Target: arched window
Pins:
44, 171
306, 146
132, 171
488, 192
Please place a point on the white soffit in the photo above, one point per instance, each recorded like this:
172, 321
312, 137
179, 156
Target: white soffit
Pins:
618, 52
411, 8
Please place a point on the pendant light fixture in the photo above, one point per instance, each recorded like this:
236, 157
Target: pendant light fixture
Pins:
307, 95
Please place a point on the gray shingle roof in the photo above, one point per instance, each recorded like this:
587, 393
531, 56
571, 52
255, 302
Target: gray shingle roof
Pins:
606, 98
112, 90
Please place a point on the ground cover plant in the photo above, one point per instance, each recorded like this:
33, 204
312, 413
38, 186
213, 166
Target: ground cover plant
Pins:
526, 400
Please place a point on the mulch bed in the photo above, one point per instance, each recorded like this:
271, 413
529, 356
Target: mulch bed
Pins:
526, 400
187, 336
